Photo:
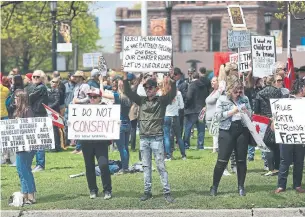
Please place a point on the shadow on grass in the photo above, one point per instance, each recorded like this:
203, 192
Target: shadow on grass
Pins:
260, 171
193, 157
60, 168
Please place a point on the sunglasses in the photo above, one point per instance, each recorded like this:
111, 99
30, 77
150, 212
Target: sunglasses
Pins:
285, 69
54, 82
148, 88
238, 92
93, 97
36, 77
279, 80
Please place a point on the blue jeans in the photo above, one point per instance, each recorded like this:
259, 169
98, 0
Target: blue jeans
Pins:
23, 164
78, 146
148, 146
251, 152
172, 123
190, 120
41, 158
122, 144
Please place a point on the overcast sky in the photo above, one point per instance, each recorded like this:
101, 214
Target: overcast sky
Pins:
105, 11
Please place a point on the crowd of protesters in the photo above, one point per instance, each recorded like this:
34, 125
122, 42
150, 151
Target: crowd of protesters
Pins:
164, 110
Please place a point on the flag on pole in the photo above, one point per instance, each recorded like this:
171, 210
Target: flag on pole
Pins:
260, 123
290, 77
55, 116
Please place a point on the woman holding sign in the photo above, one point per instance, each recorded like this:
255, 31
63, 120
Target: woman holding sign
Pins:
292, 153
24, 159
120, 98
233, 135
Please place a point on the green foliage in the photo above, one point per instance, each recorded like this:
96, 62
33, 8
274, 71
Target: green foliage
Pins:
296, 7
137, 6
26, 32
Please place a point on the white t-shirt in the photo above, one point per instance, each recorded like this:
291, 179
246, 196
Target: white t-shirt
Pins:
177, 103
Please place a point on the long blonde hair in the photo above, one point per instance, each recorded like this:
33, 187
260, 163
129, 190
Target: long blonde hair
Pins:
225, 70
22, 103
233, 83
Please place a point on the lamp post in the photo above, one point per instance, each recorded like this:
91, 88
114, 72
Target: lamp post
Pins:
122, 29
169, 7
53, 6
267, 17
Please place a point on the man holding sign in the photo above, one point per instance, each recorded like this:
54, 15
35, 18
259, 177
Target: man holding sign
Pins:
151, 115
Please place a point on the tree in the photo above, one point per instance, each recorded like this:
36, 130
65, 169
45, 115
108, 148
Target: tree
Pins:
297, 9
137, 6
27, 32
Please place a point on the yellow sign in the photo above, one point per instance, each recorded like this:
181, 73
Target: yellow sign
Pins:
236, 16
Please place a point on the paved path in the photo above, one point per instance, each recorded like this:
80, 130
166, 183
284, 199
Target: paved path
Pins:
285, 212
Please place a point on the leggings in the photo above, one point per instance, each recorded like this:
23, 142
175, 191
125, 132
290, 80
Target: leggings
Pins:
236, 138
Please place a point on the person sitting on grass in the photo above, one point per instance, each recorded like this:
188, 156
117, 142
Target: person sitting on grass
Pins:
151, 115
98, 149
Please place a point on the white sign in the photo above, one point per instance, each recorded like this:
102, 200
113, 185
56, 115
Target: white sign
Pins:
245, 61
289, 120
90, 60
94, 122
147, 54
263, 55
64, 47
238, 39
27, 134
300, 48
102, 66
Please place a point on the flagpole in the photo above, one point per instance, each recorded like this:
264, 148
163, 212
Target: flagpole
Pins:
288, 30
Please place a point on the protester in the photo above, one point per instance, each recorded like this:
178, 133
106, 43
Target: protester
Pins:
96, 149
292, 153
301, 72
54, 103
36, 98
263, 107
120, 98
62, 91
171, 121
195, 101
80, 97
17, 83
28, 84
233, 135
151, 114
24, 158
190, 73
94, 79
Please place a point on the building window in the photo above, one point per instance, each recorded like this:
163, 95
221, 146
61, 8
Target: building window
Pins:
185, 36
214, 35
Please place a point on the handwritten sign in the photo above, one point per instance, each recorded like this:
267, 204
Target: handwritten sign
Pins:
90, 60
245, 60
236, 16
289, 120
147, 54
102, 66
94, 122
27, 134
238, 39
263, 55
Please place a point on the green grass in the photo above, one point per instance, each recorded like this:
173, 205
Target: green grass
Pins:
190, 181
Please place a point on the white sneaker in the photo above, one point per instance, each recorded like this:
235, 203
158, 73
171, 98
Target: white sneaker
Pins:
107, 195
93, 195
37, 169
226, 173
167, 159
234, 169
183, 158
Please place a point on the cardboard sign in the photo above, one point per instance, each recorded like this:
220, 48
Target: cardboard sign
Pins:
90, 60
94, 122
289, 120
236, 16
263, 55
147, 54
245, 61
158, 27
238, 39
102, 66
27, 134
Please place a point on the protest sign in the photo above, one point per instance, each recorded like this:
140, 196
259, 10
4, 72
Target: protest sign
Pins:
289, 120
94, 122
245, 61
56, 118
263, 55
90, 60
236, 16
27, 134
102, 66
147, 54
278, 34
238, 39
158, 27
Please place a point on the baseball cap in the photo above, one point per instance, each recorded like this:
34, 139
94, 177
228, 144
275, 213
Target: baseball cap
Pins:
94, 92
150, 83
177, 71
95, 72
29, 76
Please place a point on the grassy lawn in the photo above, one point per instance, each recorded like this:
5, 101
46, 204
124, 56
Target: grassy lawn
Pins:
190, 182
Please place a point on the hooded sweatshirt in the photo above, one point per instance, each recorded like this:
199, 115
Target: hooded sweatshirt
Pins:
197, 92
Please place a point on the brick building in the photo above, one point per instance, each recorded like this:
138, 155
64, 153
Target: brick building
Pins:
201, 26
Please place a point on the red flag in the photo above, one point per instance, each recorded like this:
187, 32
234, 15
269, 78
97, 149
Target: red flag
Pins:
290, 77
55, 116
219, 59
